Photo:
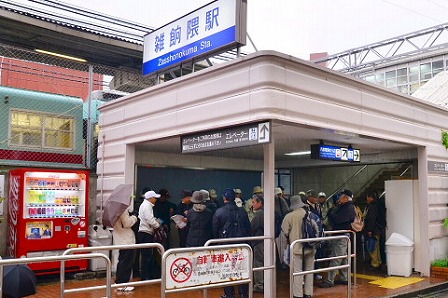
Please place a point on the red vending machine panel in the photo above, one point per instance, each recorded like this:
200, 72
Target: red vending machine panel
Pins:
47, 214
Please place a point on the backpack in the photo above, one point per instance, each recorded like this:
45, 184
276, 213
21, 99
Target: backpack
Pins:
231, 228
278, 219
358, 223
278, 223
312, 228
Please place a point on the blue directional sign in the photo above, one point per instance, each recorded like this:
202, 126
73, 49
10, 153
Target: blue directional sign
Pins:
336, 153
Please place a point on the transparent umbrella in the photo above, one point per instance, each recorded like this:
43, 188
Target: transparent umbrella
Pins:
116, 204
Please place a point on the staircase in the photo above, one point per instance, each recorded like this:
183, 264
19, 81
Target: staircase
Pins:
402, 171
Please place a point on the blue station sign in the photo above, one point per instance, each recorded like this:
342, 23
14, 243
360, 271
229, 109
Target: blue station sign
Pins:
214, 27
336, 153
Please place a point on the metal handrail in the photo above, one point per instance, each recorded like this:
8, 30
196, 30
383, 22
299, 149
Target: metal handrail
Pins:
62, 258
108, 247
244, 239
328, 238
249, 280
345, 182
401, 175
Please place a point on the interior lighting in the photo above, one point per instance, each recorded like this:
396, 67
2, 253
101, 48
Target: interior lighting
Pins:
60, 55
298, 153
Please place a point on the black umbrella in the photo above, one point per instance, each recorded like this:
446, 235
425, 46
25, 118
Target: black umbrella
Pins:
18, 281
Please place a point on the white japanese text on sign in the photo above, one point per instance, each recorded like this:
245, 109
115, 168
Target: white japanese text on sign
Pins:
207, 266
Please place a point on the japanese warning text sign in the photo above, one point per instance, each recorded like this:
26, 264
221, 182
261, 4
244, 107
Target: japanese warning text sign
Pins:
207, 265
231, 137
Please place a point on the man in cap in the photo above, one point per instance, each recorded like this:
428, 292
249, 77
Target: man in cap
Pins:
182, 209
325, 206
214, 198
229, 221
303, 257
164, 209
148, 224
238, 197
257, 229
280, 210
137, 203
341, 217
313, 202
257, 191
211, 205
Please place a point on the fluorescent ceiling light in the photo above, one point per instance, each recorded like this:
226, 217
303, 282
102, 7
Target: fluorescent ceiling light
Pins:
60, 55
298, 153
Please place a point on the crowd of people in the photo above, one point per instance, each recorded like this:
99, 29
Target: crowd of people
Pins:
202, 215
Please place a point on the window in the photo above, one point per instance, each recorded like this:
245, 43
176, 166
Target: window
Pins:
370, 78
34, 129
425, 72
402, 76
437, 66
391, 78
413, 74
380, 78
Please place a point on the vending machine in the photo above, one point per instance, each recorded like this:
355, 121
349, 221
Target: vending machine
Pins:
48, 213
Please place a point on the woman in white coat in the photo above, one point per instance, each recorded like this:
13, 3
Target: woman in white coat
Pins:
124, 235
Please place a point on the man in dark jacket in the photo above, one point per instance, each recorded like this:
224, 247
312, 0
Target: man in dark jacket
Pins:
164, 209
182, 209
371, 230
257, 229
341, 216
230, 221
199, 221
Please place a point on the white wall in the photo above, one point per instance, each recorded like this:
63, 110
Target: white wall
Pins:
270, 85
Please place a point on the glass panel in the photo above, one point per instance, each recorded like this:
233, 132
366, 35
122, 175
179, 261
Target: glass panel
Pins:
380, 78
413, 74
436, 71
58, 132
391, 79
437, 64
425, 71
26, 129
370, 78
402, 72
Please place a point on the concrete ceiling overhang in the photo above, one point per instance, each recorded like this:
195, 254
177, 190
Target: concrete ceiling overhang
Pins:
29, 33
298, 138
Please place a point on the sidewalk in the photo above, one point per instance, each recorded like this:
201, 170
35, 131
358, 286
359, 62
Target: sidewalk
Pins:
368, 285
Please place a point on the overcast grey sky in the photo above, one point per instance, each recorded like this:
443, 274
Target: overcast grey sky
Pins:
298, 27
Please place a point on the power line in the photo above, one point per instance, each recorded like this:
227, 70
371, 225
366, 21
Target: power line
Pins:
413, 11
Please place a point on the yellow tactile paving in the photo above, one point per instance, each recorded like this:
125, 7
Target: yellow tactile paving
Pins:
395, 282
368, 277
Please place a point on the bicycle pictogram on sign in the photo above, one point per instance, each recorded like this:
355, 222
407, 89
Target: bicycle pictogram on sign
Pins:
181, 270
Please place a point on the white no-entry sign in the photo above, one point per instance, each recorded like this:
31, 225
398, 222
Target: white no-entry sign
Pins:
206, 265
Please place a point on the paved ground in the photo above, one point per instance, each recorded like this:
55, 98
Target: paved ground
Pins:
381, 287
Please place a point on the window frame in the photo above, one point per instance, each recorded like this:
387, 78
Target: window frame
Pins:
43, 130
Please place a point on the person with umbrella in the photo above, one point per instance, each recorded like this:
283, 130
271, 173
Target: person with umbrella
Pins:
124, 235
148, 224
116, 214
